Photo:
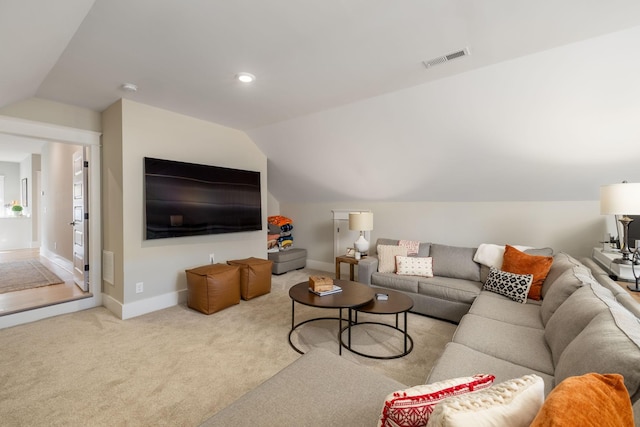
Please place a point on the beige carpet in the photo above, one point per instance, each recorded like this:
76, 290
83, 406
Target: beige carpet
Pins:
174, 367
27, 274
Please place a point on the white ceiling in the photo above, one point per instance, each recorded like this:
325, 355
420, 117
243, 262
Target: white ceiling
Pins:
311, 58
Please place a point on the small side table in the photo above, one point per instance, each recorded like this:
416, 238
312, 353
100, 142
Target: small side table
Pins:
397, 303
348, 260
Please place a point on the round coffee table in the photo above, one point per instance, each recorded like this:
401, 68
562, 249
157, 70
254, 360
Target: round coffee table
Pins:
397, 303
353, 295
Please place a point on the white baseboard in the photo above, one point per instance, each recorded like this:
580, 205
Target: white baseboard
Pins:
33, 315
57, 259
320, 265
148, 305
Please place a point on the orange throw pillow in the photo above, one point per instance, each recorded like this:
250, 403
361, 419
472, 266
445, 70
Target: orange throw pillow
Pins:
587, 400
518, 262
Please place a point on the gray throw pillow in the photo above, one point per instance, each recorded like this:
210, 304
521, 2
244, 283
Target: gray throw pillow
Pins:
455, 262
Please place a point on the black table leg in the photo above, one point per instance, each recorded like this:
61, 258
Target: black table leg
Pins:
339, 331
405, 330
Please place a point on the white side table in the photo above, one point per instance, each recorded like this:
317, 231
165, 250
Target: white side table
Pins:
605, 259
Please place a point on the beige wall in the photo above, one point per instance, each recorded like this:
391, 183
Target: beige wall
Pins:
572, 227
151, 132
42, 110
112, 211
57, 184
273, 205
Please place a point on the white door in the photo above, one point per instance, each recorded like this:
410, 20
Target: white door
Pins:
80, 221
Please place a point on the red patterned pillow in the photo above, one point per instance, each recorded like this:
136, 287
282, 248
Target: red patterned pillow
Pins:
413, 406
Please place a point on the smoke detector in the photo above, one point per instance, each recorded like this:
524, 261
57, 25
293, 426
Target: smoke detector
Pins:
446, 58
129, 87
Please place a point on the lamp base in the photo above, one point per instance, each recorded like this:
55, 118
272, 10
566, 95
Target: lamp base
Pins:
361, 244
622, 261
633, 288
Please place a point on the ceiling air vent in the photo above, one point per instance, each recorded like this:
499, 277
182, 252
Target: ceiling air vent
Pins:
446, 58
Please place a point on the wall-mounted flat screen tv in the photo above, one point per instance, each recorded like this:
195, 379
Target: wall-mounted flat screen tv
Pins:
187, 199
634, 231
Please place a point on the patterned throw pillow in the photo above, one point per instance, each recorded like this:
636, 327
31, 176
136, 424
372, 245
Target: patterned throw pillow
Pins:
387, 257
514, 286
512, 403
414, 266
413, 406
413, 246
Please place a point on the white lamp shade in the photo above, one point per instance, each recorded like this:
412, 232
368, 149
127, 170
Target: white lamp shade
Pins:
620, 199
361, 221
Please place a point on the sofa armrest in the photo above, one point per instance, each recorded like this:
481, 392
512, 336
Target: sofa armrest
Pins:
366, 267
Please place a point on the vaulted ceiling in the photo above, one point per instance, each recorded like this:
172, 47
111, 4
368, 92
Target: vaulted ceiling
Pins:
545, 107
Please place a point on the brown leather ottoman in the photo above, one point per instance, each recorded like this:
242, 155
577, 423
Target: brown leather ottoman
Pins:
213, 287
255, 276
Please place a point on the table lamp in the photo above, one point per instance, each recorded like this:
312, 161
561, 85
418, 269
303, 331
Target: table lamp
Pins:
361, 221
621, 199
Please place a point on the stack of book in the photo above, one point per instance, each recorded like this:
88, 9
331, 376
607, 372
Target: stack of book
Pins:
322, 285
334, 290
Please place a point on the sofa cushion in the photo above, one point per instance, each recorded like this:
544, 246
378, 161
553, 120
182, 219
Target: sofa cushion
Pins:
510, 285
563, 287
454, 261
518, 344
459, 359
447, 288
413, 406
512, 403
494, 306
518, 262
396, 282
303, 393
573, 403
414, 266
610, 343
573, 316
387, 257
561, 263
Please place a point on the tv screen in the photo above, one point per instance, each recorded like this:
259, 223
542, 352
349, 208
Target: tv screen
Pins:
187, 199
634, 231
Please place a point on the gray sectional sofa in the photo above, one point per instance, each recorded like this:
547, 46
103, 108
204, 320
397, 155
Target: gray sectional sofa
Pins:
449, 294
584, 323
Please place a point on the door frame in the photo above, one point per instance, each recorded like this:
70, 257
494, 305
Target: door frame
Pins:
31, 129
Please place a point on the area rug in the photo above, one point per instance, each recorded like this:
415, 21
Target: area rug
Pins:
27, 274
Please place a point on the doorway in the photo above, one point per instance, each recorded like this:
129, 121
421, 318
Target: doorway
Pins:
91, 140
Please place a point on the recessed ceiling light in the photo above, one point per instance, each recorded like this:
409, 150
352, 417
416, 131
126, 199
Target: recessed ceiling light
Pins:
245, 77
129, 87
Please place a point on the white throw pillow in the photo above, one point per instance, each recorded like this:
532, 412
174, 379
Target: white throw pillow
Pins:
414, 266
413, 406
387, 257
512, 403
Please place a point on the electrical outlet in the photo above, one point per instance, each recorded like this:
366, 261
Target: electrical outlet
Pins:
139, 287
211, 258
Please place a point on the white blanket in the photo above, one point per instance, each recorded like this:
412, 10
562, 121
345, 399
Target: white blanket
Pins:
491, 255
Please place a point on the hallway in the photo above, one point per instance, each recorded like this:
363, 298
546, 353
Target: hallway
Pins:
17, 301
